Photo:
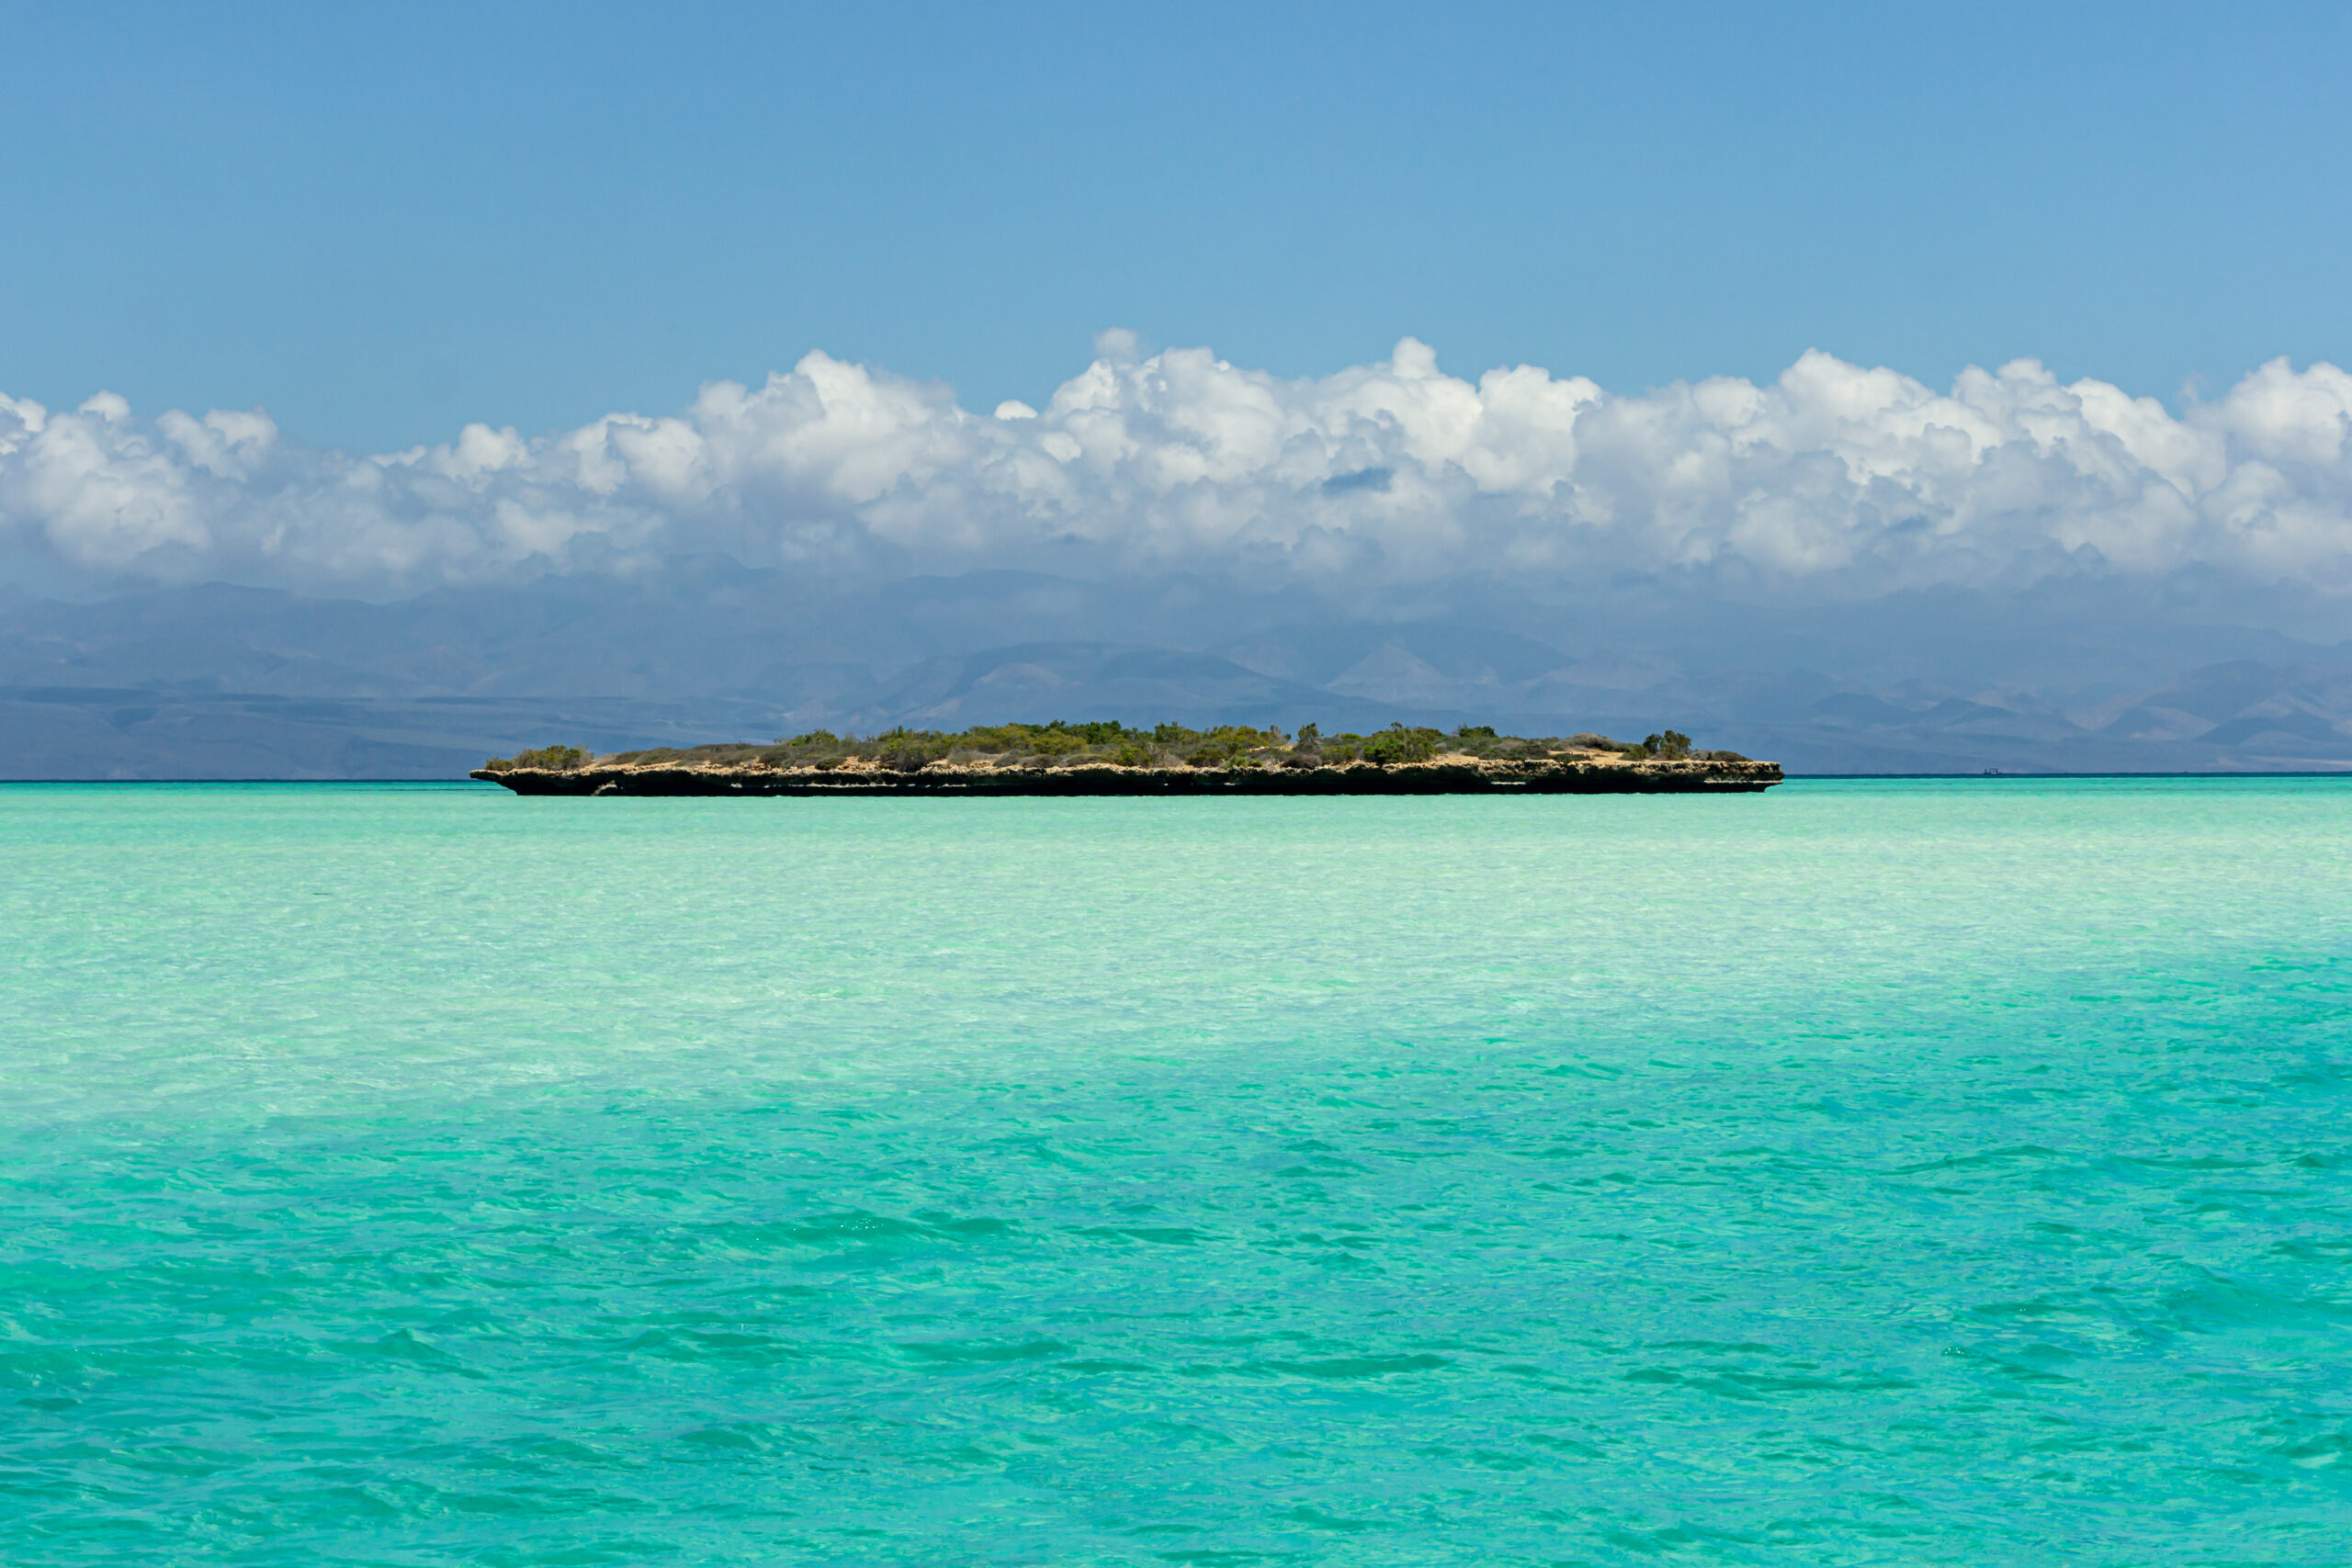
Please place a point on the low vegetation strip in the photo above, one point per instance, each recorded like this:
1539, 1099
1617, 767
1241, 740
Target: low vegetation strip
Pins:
1109, 758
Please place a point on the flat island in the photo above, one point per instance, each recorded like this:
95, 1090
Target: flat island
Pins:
1064, 759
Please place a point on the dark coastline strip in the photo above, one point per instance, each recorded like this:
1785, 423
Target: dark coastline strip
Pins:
1552, 778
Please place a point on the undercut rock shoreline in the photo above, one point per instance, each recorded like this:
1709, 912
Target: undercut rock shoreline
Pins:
1447, 773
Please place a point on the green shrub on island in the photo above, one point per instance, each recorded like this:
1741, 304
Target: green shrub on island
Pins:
554, 758
1108, 743
904, 750
1398, 744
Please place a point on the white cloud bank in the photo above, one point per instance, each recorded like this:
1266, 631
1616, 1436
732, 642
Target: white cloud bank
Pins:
1384, 472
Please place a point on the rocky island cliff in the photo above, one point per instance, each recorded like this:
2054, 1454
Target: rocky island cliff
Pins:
1063, 758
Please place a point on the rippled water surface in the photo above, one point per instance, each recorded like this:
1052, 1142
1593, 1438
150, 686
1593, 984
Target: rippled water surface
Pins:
1918, 1172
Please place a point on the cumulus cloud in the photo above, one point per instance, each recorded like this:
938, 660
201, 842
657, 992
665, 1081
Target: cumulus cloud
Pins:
1394, 471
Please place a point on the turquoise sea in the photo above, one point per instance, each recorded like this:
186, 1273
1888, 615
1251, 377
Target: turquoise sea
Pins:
1863, 1172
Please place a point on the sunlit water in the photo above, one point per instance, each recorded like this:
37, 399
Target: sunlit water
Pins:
1921, 1172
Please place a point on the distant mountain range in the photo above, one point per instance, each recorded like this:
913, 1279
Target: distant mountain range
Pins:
219, 681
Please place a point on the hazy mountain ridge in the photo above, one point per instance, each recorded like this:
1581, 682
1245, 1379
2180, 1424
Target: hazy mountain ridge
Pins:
221, 682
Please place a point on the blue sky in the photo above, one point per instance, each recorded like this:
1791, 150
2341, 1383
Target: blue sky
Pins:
381, 222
